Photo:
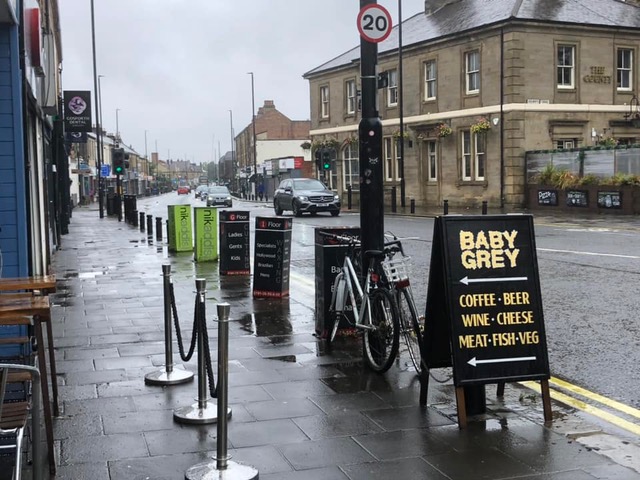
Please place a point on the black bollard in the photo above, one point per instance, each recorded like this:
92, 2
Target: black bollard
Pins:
394, 206
159, 228
149, 225
141, 221
349, 196
446, 207
484, 207
412, 205
134, 218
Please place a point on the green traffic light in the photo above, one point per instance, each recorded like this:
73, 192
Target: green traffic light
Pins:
118, 169
326, 166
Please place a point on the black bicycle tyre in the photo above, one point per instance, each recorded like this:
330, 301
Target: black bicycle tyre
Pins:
410, 326
381, 343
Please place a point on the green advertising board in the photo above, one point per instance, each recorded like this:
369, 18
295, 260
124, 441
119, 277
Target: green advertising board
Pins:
179, 229
206, 234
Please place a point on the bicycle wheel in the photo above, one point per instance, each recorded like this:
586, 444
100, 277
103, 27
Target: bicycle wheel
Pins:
335, 309
380, 343
411, 327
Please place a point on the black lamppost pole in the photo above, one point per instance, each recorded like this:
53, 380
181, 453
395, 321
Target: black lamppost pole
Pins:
97, 101
400, 107
253, 123
233, 161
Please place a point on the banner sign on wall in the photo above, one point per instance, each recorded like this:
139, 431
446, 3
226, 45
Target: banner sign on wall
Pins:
77, 110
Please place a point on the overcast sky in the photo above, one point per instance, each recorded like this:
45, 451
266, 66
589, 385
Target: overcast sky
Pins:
176, 67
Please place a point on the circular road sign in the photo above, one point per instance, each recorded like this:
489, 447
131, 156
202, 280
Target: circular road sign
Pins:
374, 23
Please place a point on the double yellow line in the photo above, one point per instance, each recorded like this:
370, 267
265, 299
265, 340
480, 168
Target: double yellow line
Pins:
556, 383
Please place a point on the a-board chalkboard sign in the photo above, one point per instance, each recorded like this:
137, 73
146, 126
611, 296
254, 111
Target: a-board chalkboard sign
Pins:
272, 255
577, 198
234, 243
611, 199
485, 281
548, 197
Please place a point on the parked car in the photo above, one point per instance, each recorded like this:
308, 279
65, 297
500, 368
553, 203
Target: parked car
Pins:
201, 192
219, 195
305, 195
183, 190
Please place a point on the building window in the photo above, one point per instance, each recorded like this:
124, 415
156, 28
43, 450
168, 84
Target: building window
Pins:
324, 101
430, 80
350, 91
351, 167
566, 66
625, 68
565, 144
473, 156
391, 159
392, 89
432, 158
472, 70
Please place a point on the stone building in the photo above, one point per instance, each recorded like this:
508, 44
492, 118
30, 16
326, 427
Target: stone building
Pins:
483, 83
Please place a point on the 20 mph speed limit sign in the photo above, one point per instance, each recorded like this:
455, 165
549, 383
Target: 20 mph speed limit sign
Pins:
374, 23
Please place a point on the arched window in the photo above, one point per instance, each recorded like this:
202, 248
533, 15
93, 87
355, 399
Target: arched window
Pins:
351, 167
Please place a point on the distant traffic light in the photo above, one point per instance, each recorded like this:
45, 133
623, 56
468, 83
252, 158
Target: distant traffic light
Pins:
326, 159
117, 159
318, 155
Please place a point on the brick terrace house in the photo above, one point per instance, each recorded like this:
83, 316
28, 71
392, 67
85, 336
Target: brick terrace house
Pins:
277, 138
484, 82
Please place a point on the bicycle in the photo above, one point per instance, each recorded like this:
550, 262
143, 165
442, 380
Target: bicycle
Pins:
396, 269
371, 302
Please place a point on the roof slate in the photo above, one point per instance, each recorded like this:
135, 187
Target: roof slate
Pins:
464, 15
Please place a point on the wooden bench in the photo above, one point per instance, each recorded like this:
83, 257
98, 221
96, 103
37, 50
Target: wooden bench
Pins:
23, 299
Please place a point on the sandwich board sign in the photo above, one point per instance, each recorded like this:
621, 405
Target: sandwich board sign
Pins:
484, 309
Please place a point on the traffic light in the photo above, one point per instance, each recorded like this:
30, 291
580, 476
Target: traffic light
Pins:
318, 155
326, 159
117, 159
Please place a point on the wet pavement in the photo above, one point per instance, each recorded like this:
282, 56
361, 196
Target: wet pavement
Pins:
298, 411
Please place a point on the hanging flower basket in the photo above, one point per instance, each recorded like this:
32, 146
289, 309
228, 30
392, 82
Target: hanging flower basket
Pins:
443, 130
482, 125
305, 145
405, 135
330, 143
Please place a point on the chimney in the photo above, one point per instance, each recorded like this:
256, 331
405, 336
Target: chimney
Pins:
432, 6
268, 105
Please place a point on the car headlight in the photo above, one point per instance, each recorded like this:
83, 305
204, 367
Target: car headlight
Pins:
228, 198
336, 198
302, 198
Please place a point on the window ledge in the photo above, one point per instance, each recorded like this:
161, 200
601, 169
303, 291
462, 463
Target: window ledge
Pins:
472, 183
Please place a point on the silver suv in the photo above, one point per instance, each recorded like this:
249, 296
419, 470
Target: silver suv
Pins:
219, 195
305, 195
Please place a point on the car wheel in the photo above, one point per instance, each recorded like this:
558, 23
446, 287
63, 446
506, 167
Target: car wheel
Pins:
296, 209
335, 213
276, 207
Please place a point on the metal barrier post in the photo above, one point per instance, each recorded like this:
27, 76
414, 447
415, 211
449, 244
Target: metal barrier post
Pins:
168, 376
141, 221
446, 207
412, 205
484, 207
159, 228
393, 199
134, 218
204, 410
150, 225
349, 197
223, 467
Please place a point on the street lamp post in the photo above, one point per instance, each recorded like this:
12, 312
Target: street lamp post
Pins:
253, 123
233, 162
117, 128
97, 101
146, 159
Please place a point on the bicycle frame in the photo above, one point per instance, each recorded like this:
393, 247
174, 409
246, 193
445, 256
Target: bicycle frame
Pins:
351, 279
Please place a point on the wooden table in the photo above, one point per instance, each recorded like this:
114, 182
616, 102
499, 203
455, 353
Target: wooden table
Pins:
16, 306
